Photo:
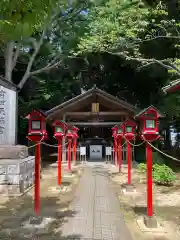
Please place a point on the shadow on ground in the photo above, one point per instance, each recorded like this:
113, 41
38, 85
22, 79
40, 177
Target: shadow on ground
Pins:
15, 217
16, 213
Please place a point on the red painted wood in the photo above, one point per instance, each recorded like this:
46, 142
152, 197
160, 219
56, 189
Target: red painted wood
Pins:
69, 155
120, 154
37, 179
149, 180
75, 146
59, 161
129, 158
115, 150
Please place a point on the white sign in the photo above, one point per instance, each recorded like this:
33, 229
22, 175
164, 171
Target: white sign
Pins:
96, 151
8, 118
83, 151
108, 151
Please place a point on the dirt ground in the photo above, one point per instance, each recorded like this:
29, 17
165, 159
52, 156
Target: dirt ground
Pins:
54, 205
166, 205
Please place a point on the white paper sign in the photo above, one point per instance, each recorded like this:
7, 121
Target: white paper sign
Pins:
108, 151
82, 151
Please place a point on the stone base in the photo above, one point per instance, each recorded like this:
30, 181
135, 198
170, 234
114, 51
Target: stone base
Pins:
128, 189
16, 175
36, 220
38, 223
13, 152
150, 224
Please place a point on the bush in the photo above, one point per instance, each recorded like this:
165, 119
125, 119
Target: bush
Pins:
163, 175
142, 167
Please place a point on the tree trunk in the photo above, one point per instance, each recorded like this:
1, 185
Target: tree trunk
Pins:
8, 56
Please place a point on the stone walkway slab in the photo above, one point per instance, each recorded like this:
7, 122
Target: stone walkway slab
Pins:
97, 210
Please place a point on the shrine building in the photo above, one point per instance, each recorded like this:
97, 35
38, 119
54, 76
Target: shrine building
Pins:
94, 112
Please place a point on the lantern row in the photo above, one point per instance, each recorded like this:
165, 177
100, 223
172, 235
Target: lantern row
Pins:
149, 131
37, 133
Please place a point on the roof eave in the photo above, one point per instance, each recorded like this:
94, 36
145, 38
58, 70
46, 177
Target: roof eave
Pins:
171, 85
87, 94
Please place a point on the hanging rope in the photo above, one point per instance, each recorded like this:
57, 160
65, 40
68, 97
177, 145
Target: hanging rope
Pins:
123, 144
46, 144
49, 145
134, 145
33, 145
165, 154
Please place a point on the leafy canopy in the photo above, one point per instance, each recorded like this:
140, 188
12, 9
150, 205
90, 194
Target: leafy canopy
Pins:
21, 18
112, 24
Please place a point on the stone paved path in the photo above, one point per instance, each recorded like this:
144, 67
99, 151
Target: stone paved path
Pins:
97, 210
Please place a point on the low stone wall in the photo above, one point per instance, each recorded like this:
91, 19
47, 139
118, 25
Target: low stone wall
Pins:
16, 175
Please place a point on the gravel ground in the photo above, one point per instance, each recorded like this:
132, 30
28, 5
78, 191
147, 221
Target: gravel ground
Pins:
166, 204
16, 213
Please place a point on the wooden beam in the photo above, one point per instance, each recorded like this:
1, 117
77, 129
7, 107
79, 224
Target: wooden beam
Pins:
91, 114
93, 123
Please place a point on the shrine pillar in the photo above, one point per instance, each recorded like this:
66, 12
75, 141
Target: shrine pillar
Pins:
64, 147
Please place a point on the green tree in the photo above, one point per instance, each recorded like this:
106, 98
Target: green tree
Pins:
25, 26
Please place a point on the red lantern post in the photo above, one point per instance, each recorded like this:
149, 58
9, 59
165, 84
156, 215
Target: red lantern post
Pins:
149, 132
75, 130
114, 135
119, 143
37, 133
69, 136
129, 134
59, 132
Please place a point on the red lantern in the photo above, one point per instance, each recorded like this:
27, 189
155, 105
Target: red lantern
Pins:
149, 123
129, 128
59, 129
37, 133
59, 132
149, 131
69, 136
37, 126
75, 133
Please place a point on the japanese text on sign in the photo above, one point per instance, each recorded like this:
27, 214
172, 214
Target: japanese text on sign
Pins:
2, 110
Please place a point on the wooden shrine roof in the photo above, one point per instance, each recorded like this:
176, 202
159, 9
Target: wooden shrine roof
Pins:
92, 93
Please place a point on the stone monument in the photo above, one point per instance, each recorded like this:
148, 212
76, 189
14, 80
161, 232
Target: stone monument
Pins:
16, 167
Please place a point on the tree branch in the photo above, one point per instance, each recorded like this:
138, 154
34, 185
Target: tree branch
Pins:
46, 68
16, 55
53, 64
164, 63
31, 60
158, 37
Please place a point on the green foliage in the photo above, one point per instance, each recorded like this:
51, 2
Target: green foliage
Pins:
163, 174
111, 25
142, 167
21, 18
